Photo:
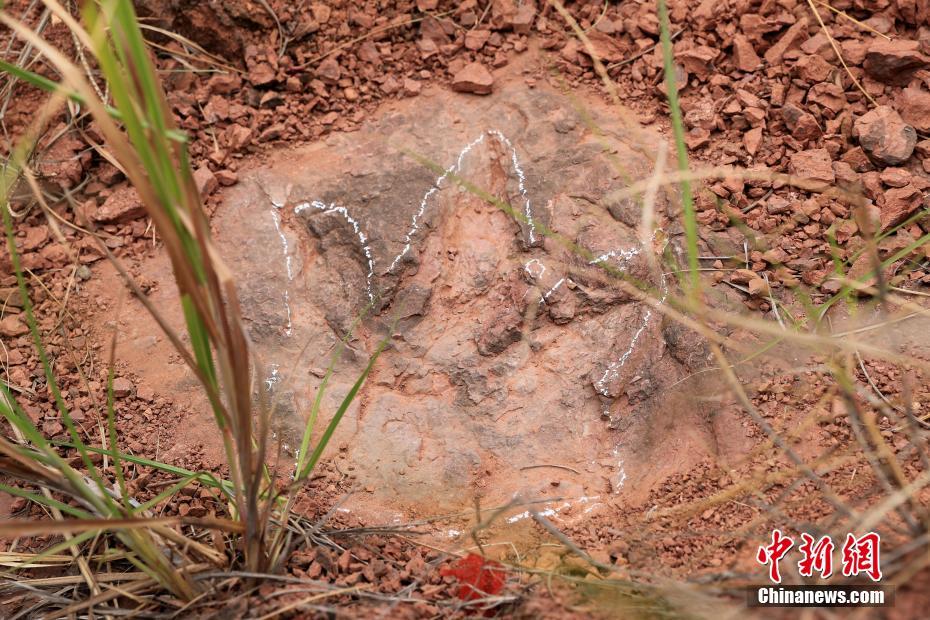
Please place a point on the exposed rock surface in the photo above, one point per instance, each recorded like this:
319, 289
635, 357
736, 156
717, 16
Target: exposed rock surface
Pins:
504, 346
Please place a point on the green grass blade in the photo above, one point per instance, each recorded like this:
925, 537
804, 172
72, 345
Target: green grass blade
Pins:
43, 83
166, 493
201, 476
343, 407
49, 502
321, 390
678, 131
55, 549
104, 503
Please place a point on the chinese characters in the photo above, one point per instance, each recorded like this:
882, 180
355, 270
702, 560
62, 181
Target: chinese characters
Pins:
859, 556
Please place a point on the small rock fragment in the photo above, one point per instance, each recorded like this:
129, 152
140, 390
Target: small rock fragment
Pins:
914, 107
795, 35
145, 393
802, 125
813, 68
828, 95
123, 205
390, 85
368, 52
894, 62
758, 287
262, 65
238, 137
122, 387
775, 256
698, 61
744, 55
412, 87
205, 180
272, 133
752, 140
813, 164
605, 47
226, 177
476, 39
885, 136
224, 83
900, 202
522, 20
12, 326
845, 175
895, 177
321, 12
857, 159
473, 78
35, 237
701, 114
863, 271
329, 71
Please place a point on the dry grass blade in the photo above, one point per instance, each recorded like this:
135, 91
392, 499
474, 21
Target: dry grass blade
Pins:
859, 23
310, 599
15, 528
839, 53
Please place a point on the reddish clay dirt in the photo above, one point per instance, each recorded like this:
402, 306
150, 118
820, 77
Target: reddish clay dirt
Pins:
482, 380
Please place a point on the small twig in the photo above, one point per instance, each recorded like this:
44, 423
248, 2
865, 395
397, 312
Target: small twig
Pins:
774, 303
565, 467
599, 17
484, 14
367, 35
569, 543
868, 378
756, 203
836, 50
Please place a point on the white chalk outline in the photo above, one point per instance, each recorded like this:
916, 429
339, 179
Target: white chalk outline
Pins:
625, 255
287, 263
545, 296
424, 203
363, 240
529, 271
550, 512
613, 369
527, 211
414, 224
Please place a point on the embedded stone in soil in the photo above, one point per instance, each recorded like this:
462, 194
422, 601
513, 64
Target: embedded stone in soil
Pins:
507, 352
